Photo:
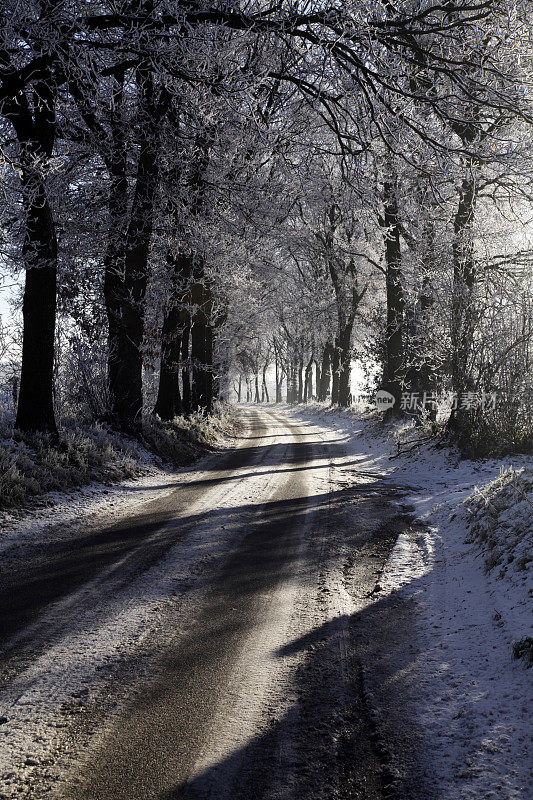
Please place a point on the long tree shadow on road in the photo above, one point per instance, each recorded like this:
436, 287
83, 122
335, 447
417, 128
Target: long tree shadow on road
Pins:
325, 745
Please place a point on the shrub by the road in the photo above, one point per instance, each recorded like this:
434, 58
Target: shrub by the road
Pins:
31, 466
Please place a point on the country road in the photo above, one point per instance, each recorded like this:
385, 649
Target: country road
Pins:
208, 646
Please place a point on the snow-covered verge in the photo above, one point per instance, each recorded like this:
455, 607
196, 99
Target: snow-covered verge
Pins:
30, 466
32, 470
500, 515
98, 475
467, 573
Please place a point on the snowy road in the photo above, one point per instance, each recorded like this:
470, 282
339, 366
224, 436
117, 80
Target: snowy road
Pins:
207, 646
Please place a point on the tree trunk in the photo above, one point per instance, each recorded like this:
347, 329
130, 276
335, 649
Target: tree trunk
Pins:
293, 383
198, 334
176, 318
35, 129
394, 356
420, 378
325, 372
308, 386
126, 279
317, 378
335, 366
35, 411
300, 381
128, 397
279, 389
345, 364
115, 255
202, 347
265, 387
278, 382
257, 398
168, 403
185, 362
239, 389
462, 312
209, 382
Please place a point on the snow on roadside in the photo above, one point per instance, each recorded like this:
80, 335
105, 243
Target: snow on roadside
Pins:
468, 696
100, 472
61, 510
98, 503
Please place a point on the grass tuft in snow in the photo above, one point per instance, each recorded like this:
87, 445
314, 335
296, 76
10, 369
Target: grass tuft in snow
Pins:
178, 441
501, 521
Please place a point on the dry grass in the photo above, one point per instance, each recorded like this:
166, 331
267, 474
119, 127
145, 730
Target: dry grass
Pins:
501, 521
30, 467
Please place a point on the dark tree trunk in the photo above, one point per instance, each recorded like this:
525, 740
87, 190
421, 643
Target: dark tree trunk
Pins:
325, 372
394, 355
126, 281
128, 397
168, 403
179, 267
113, 150
208, 366
280, 371
464, 276
342, 352
35, 129
239, 389
265, 387
185, 361
201, 297
308, 386
115, 256
35, 411
420, 377
257, 398
198, 391
345, 364
300, 381
293, 384
335, 366
202, 347
219, 376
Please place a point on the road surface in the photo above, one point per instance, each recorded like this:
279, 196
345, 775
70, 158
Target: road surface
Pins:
207, 647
